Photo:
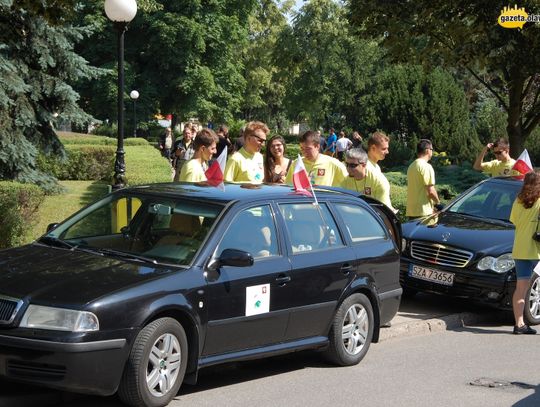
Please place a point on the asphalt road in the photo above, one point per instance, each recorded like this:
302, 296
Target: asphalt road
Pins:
420, 365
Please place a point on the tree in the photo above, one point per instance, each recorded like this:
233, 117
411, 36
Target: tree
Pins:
412, 104
37, 67
326, 66
465, 34
265, 86
185, 57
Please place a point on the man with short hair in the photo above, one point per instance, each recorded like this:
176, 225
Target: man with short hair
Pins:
321, 169
503, 163
421, 193
331, 142
355, 162
378, 186
246, 165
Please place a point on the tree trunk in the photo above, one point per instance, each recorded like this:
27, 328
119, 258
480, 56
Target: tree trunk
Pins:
514, 124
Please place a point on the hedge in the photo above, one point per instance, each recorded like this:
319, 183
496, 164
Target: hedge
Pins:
18, 205
85, 139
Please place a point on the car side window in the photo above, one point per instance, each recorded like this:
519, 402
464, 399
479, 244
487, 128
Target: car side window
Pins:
310, 227
360, 223
252, 230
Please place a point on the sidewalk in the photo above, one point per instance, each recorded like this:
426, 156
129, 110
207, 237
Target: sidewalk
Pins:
425, 314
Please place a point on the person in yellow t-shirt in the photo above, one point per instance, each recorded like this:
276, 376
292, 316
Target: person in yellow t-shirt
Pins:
355, 162
363, 179
377, 183
247, 164
421, 192
204, 146
322, 169
502, 165
526, 251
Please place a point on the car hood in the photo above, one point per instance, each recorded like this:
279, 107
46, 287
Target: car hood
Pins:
44, 274
471, 234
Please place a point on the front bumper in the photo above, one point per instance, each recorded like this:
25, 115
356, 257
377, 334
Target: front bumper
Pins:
93, 367
483, 287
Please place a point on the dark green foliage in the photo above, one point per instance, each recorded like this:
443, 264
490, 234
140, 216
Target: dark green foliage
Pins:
411, 104
464, 35
18, 206
37, 67
83, 162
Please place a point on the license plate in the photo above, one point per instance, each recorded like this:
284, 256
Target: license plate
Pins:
436, 276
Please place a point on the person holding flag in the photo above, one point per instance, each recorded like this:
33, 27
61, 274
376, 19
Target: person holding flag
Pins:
525, 216
204, 146
247, 164
503, 163
321, 169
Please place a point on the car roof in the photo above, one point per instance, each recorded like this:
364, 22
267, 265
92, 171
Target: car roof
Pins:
231, 192
513, 180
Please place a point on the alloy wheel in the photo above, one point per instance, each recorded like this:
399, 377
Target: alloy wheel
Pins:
163, 365
355, 329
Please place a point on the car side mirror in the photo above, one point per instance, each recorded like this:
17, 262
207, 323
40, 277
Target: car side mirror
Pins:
235, 258
51, 226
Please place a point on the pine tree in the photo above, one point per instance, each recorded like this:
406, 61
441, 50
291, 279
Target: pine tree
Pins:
37, 67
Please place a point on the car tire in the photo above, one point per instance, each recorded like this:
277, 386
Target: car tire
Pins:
532, 302
351, 332
156, 365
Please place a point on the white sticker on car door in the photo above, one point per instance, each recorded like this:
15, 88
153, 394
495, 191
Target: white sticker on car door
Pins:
257, 299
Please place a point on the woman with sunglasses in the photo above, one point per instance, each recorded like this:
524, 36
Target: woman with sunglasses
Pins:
501, 165
276, 164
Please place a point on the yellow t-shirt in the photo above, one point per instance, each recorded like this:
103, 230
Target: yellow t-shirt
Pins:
526, 222
192, 171
374, 185
497, 168
244, 167
420, 174
325, 171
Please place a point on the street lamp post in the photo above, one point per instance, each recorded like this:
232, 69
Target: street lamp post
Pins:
120, 12
134, 95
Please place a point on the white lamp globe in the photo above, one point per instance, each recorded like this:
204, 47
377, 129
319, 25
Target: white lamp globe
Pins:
134, 95
121, 11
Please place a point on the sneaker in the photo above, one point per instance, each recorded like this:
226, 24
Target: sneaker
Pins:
524, 330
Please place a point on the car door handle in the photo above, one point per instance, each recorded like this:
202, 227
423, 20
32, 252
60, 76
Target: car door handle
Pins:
282, 280
346, 268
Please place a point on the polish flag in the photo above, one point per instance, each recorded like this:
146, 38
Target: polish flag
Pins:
523, 163
214, 174
300, 178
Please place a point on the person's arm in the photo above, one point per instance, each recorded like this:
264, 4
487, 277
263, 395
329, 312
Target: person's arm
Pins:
432, 194
480, 158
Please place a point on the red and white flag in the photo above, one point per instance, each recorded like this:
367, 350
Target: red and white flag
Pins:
523, 163
300, 178
214, 174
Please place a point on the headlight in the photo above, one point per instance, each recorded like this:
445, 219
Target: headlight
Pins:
59, 319
501, 264
403, 245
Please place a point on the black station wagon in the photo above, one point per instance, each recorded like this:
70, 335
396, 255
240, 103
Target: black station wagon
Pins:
138, 291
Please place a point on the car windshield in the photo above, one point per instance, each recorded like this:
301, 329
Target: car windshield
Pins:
489, 200
138, 227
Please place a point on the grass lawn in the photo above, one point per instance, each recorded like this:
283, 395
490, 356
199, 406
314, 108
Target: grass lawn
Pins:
56, 208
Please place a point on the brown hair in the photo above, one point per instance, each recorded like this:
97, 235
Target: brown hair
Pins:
376, 139
502, 142
269, 163
252, 127
530, 192
205, 137
310, 137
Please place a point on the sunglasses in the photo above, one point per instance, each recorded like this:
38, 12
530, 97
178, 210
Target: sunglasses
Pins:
259, 139
353, 165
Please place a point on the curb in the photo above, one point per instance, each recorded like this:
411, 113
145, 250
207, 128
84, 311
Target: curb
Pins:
432, 325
